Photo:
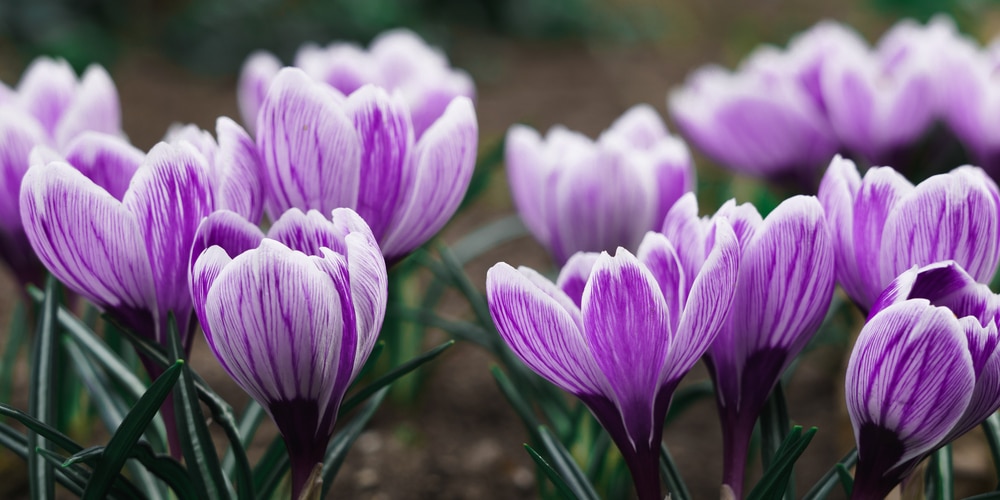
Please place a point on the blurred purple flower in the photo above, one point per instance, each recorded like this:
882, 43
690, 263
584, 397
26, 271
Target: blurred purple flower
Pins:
783, 291
618, 187
50, 107
882, 225
619, 333
925, 370
972, 105
291, 317
321, 151
398, 61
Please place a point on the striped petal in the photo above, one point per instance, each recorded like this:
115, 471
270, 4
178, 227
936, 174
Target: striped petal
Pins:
255, 78
46, 89
94, 107
682, 224
204, 270
527, 174
984, 346
882, 189
574, 275
307, 232
435, 179
236, 170
658, 255
19, 133
308, 145
227, 230
108, 160
840, 184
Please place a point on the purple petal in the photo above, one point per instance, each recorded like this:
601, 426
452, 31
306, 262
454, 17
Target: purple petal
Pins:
345, 67
947, 217
682, 224
19, 133
527, 174
851, 102
383, 125
309, 147
87, 238
744, 218
627, 326
944, 284
673, 171
641, 127
46, 89
881, 191
840, 184
430, 97
658, 255
108, 160
911, 374
255, 78
227, 230
435, 179
307, 232
983, 346
169, 196
237, 170
575, 273
205, 268
543, 327
94, 108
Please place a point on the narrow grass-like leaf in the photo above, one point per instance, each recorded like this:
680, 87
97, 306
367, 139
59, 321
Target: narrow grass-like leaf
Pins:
17, 443
336, 452
43, 391
41, 428
361, 395
561, 487
774, 425
568, 469
128, 433
939, 482
482, 173
825, 485
517, 401
162, 466
846, 481
271, 468
676, 488
16, 335
774, 483
461, 330
488, 237
991, 427
372, 359
598, 456
687, 396
196, 442
249, 422
120, 488
993, 495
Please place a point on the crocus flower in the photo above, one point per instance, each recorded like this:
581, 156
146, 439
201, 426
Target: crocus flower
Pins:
321, 150
619, 332
397, 60
883, 225
50, 107
291, 317
783, 290
925, 370
618, 187
972, 106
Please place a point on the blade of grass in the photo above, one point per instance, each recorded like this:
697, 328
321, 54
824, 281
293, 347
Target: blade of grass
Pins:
825, 485
568, 469
676, 488
43, 392
774, 483
17, 443
991, 427
774, 426
687, 396
16, 335
363, 394
271, 468
342, 441
939, 481
250, 420
561, 486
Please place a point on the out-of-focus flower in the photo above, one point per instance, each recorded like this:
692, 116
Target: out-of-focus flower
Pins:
397, 60
972, 108
783, 290
619, 333
291, 317
321, 151
50, 107
925, 370
882, 225
233, 162
576, 195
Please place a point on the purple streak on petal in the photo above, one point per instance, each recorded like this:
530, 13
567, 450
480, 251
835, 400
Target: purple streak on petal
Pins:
674, 173
435, 179
851, 101
205, 268
682, 224
944, 284
640, 126
227, 230
527, 173
840, 185
627, 327
543, 327
910, 373
882, 189
108, 160
307, 232
19, 133
309, 147
87, 238
46, 89
237, 171
335, 266
94, 108
984, 346
170, 194
255, 78
383, 125
345, 67
430, 95
658, 255
574, 275
744, 219
950, 216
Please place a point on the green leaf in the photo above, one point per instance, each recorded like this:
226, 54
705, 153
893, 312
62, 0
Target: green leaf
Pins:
196, 442
16, 335
128, 433
687, 396
676, 488
336, 452
561, 486
18, 444
485, 166
825, 485
41, 428
775, 481
43, 391
939, 482
567, 468
598, 456
991, 427
488, 237
160, 465
774, 424
364, 393
517, 401
270, 469
249, 422
846, 481
121, 488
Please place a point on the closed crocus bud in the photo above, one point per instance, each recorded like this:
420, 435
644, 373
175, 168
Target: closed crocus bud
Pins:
397, 60
925, 370
292, 317
783, 291
321, 150
971, 102
619, 332
233, 162
882, 224
618, 187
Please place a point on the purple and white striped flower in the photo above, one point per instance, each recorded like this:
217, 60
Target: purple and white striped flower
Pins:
50, 107
619, 332
882, 224
321, 150
398, 61
783, 290
292, 317
925, 370
618, 187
